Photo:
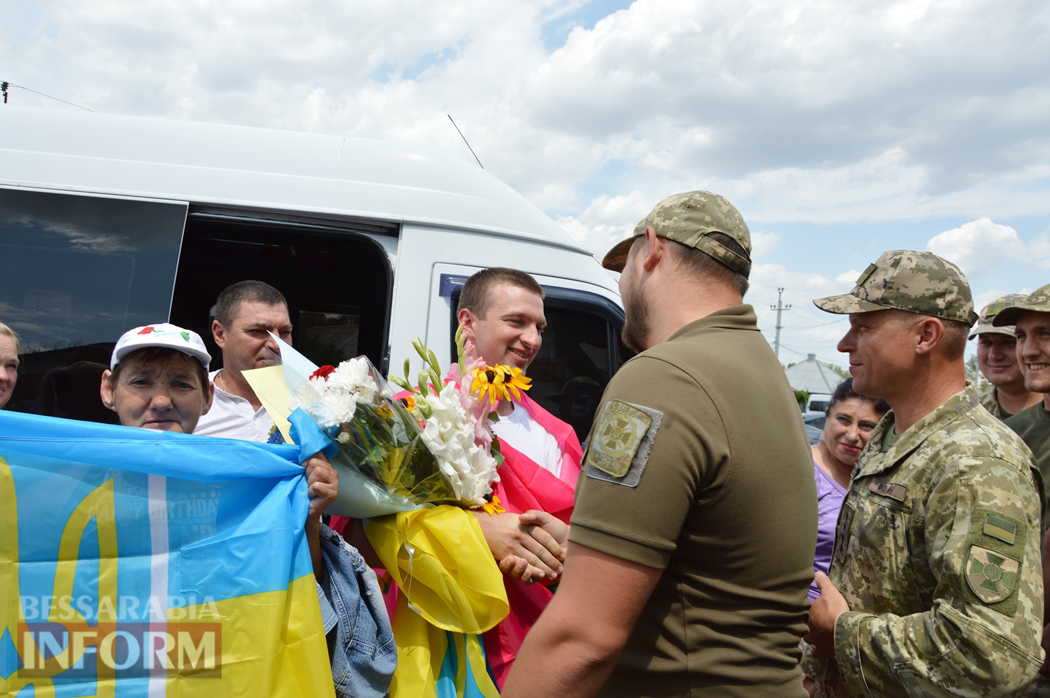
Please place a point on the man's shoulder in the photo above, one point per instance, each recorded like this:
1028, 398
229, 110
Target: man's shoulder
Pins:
990, 401
975, 439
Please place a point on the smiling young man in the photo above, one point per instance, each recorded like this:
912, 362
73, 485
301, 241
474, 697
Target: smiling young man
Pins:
1031, 319
935, 585
246, 312
997, 361
501, 313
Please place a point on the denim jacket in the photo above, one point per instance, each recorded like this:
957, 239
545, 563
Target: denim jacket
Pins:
363, 653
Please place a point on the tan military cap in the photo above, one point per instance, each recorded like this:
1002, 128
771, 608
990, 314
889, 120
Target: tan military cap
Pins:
1038, 301
984, 320
689, 218
918, 282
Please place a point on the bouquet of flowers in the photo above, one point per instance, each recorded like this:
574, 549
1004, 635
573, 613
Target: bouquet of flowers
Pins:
430, 444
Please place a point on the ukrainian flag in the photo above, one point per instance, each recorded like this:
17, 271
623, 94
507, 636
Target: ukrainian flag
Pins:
138, 563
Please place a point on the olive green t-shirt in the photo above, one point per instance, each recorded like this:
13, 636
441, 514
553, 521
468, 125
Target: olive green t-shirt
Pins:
1033, 426
698, 464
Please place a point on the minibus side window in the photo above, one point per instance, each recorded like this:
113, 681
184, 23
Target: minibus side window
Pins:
77, 272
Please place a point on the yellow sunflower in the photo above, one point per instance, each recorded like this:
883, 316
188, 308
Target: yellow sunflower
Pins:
499, 382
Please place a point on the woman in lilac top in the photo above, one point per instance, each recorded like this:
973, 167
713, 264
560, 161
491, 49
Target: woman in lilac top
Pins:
851, 418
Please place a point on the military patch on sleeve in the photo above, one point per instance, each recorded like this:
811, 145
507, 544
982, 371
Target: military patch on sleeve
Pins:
990, 576
994, 559
620, 444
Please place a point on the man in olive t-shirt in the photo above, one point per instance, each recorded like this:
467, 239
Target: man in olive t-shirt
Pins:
1032, 319
691, 546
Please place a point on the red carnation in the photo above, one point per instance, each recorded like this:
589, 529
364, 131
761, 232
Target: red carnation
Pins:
323, 372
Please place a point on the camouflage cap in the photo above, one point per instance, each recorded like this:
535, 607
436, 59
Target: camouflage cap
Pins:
984, 320
918, 282
688, 219
1038, 301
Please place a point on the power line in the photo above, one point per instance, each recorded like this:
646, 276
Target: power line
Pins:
6, 84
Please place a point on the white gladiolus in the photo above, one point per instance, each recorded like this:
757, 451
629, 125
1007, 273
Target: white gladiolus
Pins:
449, 434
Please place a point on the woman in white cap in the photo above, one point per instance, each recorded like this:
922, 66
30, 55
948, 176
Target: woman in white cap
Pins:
158, 379
8, 363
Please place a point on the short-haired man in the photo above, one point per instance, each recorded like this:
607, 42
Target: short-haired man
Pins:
691, 546
997, 361
1031, 319
246, 312
935, 586
501, 313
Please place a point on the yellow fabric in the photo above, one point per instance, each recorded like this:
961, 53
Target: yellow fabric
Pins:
447, 581
271, 643
272, 390
256, 654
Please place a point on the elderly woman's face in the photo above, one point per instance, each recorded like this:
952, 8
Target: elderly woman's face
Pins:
164, 394
8, 368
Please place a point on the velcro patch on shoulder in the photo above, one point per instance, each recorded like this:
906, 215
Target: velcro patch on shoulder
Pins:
994, 558
620, 444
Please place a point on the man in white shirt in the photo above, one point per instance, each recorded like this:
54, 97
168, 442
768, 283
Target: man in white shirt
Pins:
501, 313
245, 313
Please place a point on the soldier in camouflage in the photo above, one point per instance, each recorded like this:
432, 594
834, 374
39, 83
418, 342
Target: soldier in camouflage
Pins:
997, 361
1030, 318
935, 587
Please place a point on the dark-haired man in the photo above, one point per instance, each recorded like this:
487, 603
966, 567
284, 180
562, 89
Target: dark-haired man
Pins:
501, 313
691, 546
935, 586
246, 312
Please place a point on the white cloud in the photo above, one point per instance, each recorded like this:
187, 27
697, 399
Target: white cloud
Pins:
822, 112
763, 243
978, 246
1039, 250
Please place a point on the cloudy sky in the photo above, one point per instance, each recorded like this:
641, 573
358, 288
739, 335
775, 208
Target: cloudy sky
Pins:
839, 128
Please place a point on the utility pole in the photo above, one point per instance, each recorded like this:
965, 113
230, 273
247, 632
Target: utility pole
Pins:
779, 307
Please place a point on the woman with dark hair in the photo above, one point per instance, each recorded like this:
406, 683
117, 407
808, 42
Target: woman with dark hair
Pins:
851, 418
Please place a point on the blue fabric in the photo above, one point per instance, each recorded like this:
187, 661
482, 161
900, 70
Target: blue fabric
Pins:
311, 439
364, 657
213, 519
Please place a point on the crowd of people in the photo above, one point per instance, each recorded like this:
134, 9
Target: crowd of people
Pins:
698, 545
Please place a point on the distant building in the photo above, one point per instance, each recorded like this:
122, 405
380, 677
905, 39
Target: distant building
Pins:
813, 376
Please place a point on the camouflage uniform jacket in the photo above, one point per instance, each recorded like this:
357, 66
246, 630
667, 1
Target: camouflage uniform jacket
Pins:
938, 556
990, 401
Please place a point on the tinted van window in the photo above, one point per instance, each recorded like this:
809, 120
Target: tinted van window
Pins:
78, 271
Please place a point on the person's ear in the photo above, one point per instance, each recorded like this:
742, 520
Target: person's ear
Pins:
654, 249
467, 320
928, 334
218, 332
106, 390
209, 395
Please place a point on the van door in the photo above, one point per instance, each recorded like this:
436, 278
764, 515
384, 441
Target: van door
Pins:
335, 275
581, 345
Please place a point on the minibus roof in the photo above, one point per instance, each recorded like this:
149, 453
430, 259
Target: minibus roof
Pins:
263, 170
